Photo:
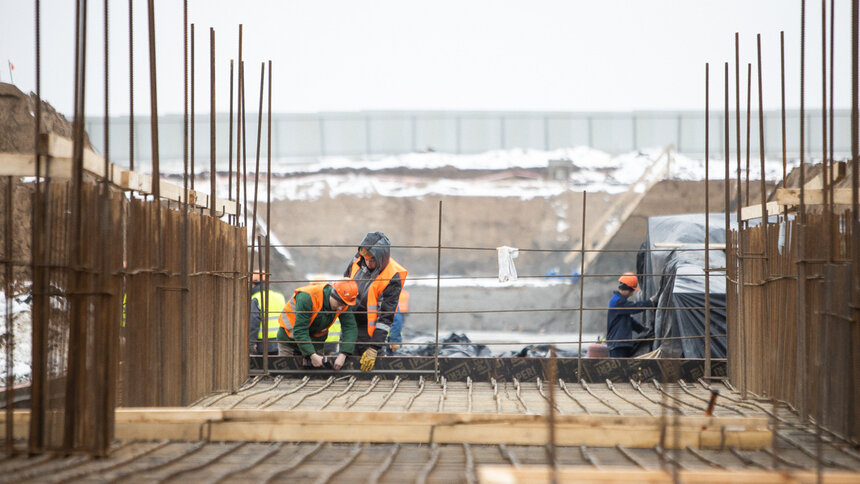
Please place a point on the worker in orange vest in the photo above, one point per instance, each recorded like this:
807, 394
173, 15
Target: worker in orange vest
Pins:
307, 317
380, 279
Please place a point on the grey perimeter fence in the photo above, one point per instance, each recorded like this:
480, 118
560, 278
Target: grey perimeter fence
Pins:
303, 137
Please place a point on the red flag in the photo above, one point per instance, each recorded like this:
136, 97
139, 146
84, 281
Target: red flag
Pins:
11, 65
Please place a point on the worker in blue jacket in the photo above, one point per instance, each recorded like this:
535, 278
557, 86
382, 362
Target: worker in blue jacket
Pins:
619, 320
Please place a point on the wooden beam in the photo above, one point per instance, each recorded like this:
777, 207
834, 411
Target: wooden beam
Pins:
791, 196
754, 211
60, 150
426, 427
499, 474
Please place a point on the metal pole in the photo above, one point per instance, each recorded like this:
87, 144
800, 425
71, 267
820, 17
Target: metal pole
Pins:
802, 209
130, 85
438, 290
708, 221
749, 103
855, 212
183, 295
257, 170
581, 287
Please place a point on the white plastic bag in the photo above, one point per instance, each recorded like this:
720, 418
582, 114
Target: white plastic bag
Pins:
507, 270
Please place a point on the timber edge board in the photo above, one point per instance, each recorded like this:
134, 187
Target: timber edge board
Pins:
594, 370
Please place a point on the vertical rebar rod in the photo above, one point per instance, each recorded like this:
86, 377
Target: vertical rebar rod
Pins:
581, 287
855, 207
552, 371
749, 108
242, 113
257, 169
131, 85
153, 104
265, 319
782, 105
765, 308
77, 347
193, 117
800, 386
10, 327
830, 111
230, 146
438, 290
37, 222
727, 150
240, 93
802, 135
183, 309
708, 218
212, 170
740, 236
825, 163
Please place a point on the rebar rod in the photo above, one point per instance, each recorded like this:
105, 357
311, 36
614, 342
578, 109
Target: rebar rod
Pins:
563, 387
250, 464
292, 465
267, 310
707, 322
601, 400
438, 290
380, 470
581, 286
231, 448
193, 101
416, 394
212, 122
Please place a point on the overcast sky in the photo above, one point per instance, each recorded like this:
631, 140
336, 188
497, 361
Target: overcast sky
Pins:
348, 55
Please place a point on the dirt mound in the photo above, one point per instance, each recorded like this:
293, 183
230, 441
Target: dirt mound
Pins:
16, 120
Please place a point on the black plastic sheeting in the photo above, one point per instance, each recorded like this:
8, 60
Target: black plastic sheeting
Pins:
468, 349
679, 278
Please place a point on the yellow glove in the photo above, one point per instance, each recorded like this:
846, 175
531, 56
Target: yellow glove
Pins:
368, 359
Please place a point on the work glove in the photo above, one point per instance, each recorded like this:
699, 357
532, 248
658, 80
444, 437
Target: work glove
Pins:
368, 359
653, 299
339, 361
317, 360
394, 347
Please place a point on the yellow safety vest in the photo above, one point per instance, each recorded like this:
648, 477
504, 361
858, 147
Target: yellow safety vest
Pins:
276, 303
334, 332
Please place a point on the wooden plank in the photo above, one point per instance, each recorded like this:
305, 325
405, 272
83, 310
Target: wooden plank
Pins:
498, 474
425, 427
791, 196
61, 149
754, 211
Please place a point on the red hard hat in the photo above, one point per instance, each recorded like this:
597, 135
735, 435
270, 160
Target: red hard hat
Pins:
258, 276
346, 290
629, 279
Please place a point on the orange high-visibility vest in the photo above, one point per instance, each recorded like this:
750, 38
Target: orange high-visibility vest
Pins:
315, 291
376, 288
403, 305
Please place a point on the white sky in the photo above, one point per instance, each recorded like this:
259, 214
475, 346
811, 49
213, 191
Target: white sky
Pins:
347, 55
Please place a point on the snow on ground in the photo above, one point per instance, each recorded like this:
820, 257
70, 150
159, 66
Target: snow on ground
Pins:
23, 342
593, 171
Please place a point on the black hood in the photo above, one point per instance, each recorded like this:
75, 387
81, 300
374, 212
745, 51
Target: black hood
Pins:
379, 247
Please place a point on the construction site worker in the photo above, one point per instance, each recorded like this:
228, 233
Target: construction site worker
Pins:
305, 321
619, 320
380, 279
255, 332
395, 337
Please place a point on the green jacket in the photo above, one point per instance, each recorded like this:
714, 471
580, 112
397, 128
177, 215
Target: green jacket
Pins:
303, 330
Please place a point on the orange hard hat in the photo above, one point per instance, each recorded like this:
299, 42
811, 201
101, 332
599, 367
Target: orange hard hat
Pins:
630, 280
346, 290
